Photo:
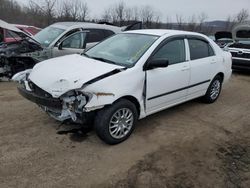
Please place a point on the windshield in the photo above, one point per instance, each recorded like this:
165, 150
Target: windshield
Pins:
123, 49
48, 35
243, 34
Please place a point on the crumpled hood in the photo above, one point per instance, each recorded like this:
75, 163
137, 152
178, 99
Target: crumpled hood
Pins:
60, 75
13, 28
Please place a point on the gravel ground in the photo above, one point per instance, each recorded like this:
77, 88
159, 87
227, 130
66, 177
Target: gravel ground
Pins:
190, 145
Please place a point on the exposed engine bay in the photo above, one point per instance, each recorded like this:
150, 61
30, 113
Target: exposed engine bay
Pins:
17, 56
17, 53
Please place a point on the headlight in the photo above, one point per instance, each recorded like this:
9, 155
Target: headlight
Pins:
89, 96
18, 77
75, 100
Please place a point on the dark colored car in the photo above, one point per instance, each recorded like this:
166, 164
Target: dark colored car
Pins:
240, 49
222, 38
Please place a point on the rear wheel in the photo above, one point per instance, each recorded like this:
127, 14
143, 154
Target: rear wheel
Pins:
214, 90
115, 123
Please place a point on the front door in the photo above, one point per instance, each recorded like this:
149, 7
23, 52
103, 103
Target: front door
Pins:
168, 86
73, 44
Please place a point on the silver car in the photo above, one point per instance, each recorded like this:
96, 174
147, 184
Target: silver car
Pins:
71, 37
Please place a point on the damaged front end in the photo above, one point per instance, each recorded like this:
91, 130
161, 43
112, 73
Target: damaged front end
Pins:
62, 87
72, 107
69, 106
19, 54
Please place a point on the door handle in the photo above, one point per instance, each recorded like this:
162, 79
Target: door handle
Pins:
213, 61
185, 68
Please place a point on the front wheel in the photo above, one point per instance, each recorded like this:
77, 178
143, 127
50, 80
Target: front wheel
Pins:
214, 90
115, 123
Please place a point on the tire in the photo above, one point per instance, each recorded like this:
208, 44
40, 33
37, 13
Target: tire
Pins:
213, 91
114, 124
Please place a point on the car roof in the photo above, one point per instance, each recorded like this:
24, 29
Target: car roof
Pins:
162, 32
85, 25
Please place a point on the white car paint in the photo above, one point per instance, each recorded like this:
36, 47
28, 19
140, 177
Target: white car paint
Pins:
61, 75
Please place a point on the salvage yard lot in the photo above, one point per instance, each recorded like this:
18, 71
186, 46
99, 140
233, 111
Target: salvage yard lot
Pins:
190, 145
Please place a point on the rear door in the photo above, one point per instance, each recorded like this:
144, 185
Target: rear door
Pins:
203, 64
94, 36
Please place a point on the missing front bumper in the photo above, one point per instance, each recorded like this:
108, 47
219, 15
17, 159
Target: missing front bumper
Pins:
42, 101
67, 108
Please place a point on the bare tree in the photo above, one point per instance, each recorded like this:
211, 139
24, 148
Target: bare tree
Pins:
201, 19
135, 14
242, 16
10, 10
230, 23
107, 15
47, 7
119, 10
74, 10
49, 10
64, 10
128, 14
147, 15
157, 20
192, 23
79, 10
84, 11
180, 21
168, 23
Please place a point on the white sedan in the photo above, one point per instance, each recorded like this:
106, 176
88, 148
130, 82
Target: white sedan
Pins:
127, 77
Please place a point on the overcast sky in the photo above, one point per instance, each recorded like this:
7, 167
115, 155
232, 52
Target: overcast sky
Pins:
215, 9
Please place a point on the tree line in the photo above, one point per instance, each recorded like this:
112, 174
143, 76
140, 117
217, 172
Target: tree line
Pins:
42, 13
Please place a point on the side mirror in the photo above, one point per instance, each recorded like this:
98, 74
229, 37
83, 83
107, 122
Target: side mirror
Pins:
157, 63
60, 46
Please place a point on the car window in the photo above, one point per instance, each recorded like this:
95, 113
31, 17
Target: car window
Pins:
66, 35
173, 51
199, 49
243, 34
46, 36
11, 34
1, 35
95, 35
211, 50
122, 49
74, 41
108, 33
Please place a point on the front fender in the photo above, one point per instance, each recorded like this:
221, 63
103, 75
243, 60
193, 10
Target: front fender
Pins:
108, 90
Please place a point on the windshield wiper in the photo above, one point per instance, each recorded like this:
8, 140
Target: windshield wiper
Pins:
102, 59
85, 54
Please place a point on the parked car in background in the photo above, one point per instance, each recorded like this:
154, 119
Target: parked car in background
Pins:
56, 40
127, 77
222, 38
212, 37
30, 30
8, 36
240, 49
